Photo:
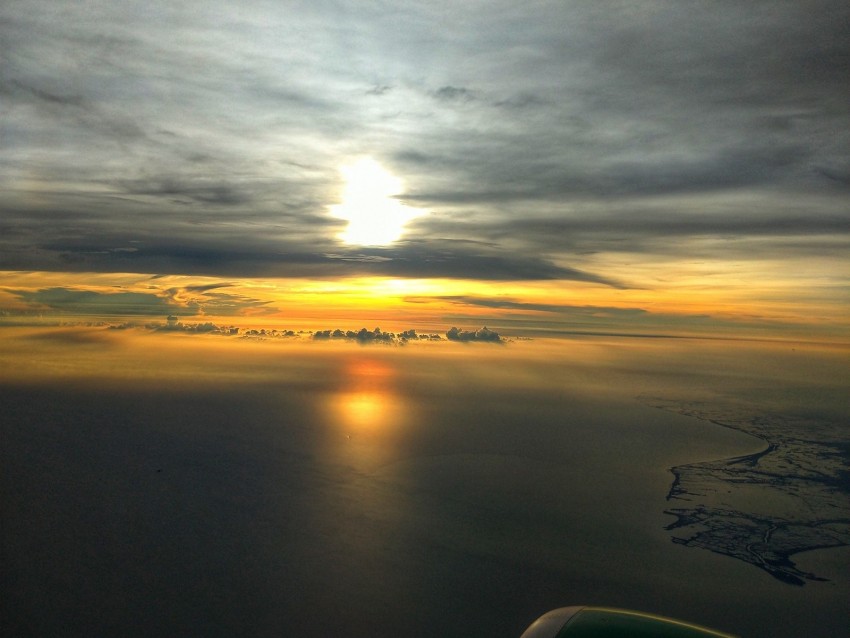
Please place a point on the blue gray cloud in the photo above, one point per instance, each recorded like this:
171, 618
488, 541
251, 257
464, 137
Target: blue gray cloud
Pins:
176, 302
206, 138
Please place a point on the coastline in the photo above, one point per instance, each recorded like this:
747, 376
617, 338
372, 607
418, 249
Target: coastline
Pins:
763, 508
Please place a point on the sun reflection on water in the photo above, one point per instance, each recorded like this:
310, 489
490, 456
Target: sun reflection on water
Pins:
364, 410
368, 403
368, 415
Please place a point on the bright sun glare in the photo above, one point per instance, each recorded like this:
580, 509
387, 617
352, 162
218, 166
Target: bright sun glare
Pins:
375, 217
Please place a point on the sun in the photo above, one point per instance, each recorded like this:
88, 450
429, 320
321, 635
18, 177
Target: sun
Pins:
375, 216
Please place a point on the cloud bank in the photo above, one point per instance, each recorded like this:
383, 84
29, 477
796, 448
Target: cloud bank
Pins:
363, 336
206, 138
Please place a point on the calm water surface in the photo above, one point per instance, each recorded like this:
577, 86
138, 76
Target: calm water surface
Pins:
376, 493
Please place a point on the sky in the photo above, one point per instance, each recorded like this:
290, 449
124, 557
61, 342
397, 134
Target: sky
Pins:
535, 167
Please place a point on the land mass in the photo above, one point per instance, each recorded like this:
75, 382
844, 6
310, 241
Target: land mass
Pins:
762, 508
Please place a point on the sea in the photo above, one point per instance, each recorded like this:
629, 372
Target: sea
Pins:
206, 486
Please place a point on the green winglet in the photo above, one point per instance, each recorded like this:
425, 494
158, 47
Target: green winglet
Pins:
601, 622
606, 622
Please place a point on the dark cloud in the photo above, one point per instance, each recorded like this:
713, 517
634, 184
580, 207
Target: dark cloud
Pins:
469, 261
709, 171
666, 226
482, 334
265, 333
221, 248
837, 174
510, 304
173, 324
222, 304
454, 94
379, 89
365, 336
89, 302
206, 139
521, 101
206, 287
361, 336
202, 191
72, 109
553, 318
16, 88
183, 301
550, 317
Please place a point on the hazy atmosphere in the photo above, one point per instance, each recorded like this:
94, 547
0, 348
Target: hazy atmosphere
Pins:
345, 317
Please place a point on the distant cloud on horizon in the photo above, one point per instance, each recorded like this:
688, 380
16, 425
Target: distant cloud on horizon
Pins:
363, 336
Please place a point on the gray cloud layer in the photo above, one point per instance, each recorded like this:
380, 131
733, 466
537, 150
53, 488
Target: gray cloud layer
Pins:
182, 301
205, 137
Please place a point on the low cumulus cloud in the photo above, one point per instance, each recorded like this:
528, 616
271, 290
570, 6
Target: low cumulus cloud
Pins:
173, 324
364, 336
377, 335
483, 334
